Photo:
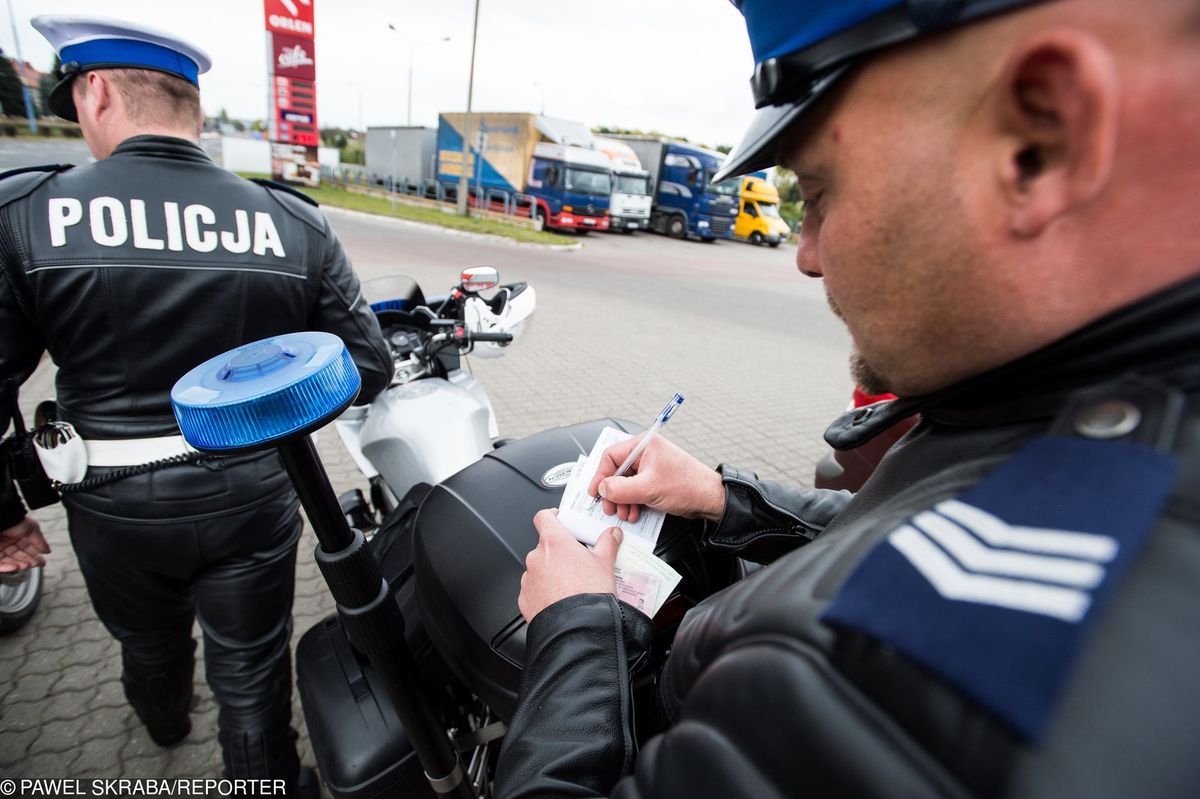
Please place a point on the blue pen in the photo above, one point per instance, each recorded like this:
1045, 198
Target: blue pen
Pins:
662, 419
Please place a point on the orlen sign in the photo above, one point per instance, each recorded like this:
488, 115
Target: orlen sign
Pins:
290, 16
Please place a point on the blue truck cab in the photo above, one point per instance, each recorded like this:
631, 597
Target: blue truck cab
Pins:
685, 203
572, 186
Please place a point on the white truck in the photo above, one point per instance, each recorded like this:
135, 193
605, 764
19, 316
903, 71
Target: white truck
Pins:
629, 204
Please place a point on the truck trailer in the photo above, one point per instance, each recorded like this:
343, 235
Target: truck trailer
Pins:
629, 205
548, 166
407, 154
685, 203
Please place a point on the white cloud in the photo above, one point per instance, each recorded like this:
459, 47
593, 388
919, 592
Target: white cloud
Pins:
679, 66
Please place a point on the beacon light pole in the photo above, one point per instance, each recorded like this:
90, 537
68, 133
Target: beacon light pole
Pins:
275, 393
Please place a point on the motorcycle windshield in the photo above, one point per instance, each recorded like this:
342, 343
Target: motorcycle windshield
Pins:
394, 292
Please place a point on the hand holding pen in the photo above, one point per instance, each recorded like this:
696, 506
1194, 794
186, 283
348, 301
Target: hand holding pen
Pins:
667, 478
663, 417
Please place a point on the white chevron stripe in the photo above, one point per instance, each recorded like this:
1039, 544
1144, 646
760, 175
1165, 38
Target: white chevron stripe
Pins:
967, 550
1000, 533
952, 582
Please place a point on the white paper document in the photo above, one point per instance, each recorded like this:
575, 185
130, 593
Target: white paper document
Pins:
586, 519
643, 580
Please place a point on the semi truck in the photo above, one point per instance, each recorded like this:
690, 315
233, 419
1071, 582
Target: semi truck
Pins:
549, 166
629, 204
685, 203
758, 220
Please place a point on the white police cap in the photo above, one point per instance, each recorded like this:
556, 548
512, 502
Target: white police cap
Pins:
85, 43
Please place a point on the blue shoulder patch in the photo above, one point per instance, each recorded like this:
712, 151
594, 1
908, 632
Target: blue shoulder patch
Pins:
994, 591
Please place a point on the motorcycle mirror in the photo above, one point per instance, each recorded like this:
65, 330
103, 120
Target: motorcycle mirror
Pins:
479, 278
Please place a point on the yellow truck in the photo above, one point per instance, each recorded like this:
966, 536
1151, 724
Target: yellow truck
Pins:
758, 220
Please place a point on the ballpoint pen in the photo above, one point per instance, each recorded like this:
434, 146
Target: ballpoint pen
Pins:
662, 419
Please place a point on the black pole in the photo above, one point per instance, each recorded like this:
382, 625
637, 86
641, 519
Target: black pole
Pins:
303, 465
372, 619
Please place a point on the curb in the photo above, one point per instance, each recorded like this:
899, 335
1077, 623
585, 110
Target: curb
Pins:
453, 232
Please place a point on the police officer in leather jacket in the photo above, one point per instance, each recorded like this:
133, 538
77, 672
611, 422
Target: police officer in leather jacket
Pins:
128, 272
1001, 198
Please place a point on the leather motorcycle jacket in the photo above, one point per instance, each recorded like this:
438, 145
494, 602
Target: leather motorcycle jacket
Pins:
151, 244
888, 654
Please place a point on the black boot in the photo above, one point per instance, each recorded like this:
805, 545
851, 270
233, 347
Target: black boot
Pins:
162, 700
257, 755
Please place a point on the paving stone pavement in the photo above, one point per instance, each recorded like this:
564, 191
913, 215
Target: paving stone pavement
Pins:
620, 326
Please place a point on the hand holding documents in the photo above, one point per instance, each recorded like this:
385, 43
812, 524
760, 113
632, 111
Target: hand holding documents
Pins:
586, 519
643, 580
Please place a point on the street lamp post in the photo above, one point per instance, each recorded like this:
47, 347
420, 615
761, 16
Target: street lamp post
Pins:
466, 131
412, 57
25, 93
393, 182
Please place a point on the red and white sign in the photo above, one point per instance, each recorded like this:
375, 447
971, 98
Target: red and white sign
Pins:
294, 57
293, 17
292, 67
295, 112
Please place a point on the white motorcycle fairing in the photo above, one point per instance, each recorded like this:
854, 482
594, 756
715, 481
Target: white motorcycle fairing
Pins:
423, 432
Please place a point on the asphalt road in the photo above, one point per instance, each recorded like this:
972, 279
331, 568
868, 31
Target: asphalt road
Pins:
621, 325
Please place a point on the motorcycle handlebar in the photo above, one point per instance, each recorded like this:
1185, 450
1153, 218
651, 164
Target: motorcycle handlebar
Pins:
500, 338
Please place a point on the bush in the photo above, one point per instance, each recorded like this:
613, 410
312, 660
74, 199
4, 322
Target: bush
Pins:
792, 213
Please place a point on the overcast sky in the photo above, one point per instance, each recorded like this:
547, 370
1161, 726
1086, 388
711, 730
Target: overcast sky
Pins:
678, 66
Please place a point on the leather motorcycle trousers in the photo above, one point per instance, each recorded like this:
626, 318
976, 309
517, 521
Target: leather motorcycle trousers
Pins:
215, 544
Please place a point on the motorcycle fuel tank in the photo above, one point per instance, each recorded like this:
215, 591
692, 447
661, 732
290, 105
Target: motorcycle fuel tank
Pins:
471, 536
423, 432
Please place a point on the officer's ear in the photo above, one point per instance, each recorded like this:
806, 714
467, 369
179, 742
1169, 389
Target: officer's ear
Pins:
97, 93
1058, 115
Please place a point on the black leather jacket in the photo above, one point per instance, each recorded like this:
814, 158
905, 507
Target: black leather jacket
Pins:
765, 698
132, 270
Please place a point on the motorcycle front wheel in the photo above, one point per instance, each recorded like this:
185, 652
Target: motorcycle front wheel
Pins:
19, 597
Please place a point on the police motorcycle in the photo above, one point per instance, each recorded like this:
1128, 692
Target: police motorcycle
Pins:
407, 690
20, 594
19, 597
436, 417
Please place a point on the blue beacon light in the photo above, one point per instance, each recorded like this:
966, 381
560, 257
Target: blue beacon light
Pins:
264, 392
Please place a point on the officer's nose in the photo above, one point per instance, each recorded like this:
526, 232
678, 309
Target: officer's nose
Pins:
807, 260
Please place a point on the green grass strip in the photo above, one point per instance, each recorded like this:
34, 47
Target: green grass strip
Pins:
341, 198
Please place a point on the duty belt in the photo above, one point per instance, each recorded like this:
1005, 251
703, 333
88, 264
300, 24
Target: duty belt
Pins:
66, 456
134, 451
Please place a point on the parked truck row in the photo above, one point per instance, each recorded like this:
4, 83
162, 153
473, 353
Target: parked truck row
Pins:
562, 174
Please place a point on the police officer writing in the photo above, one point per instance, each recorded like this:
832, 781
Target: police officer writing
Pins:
1002, 200
128, 272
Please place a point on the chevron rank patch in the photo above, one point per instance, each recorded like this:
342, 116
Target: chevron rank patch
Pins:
995, 590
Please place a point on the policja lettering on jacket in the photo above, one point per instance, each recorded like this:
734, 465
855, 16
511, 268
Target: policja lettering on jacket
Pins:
110, 223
